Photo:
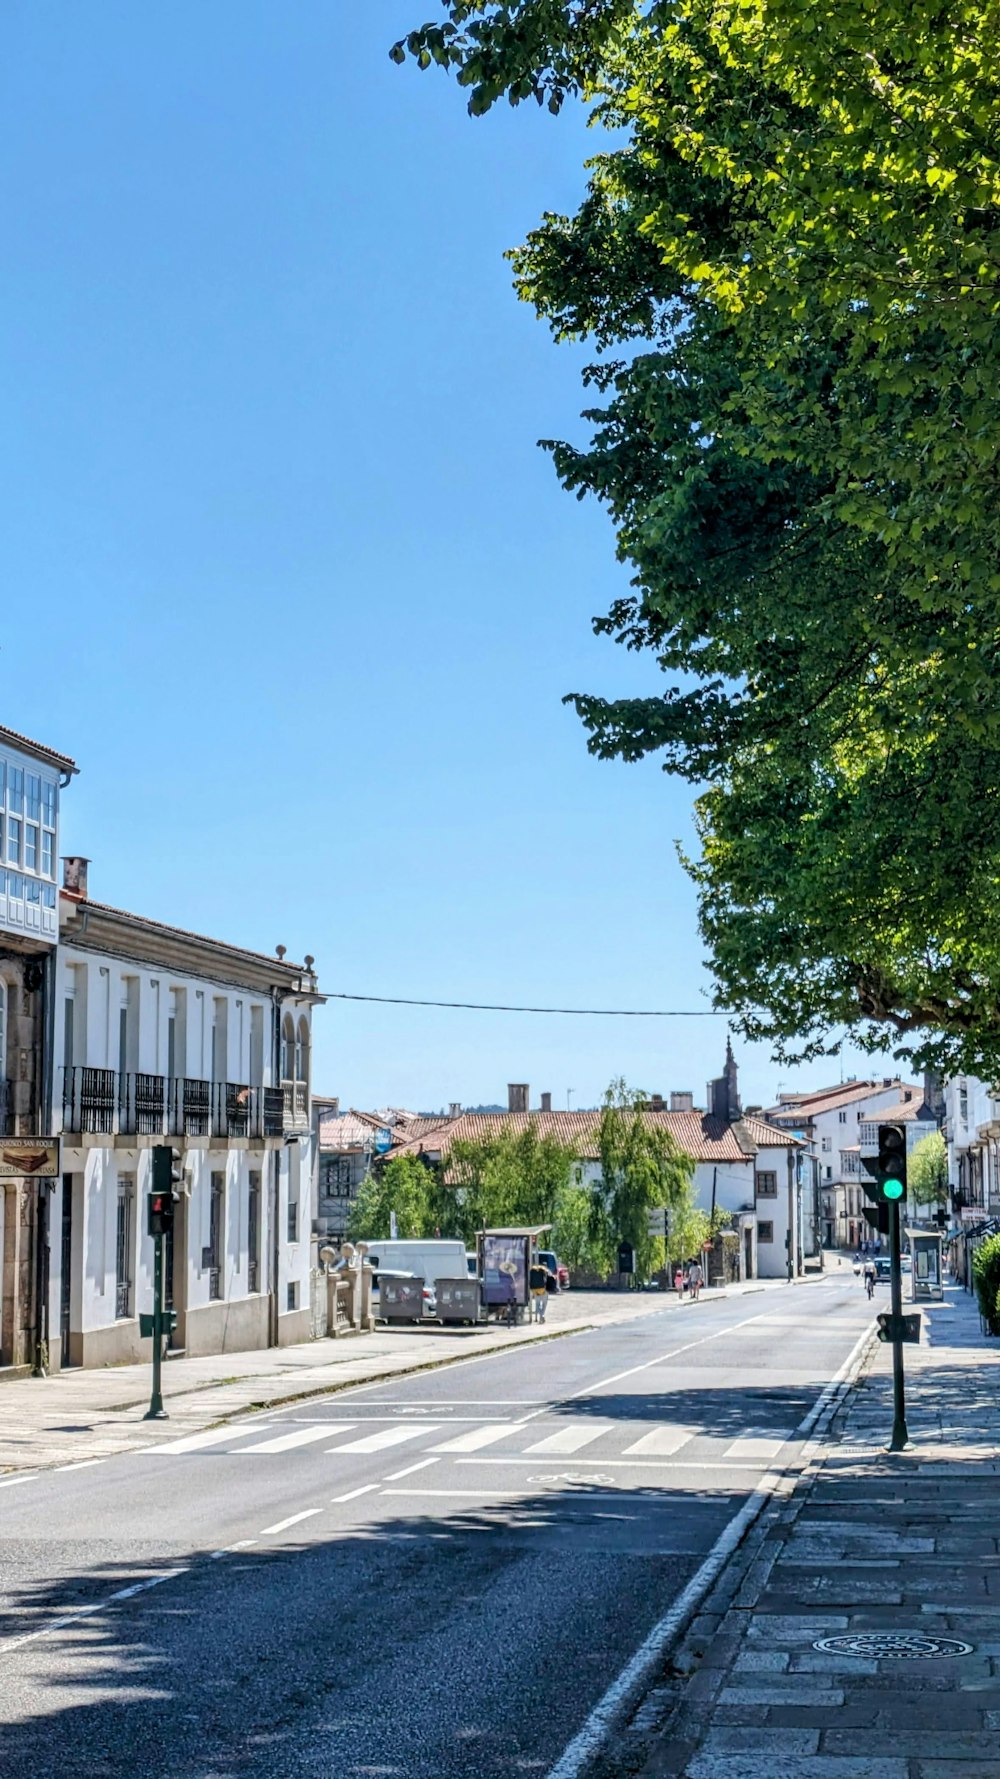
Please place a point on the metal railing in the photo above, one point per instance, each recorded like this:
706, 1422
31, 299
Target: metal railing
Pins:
104, 1102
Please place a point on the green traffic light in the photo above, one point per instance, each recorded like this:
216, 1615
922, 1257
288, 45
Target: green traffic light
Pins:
892, 1189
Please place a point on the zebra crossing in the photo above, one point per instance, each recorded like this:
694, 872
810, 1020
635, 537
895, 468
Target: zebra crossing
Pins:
585, 1438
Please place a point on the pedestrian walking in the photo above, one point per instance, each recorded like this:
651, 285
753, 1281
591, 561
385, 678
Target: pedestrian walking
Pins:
538, 1284
695, 1279
679, 1280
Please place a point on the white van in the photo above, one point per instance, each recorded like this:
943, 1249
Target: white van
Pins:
425, 1260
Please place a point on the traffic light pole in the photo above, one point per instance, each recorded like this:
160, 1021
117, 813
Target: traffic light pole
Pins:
900, 1437
156, 1410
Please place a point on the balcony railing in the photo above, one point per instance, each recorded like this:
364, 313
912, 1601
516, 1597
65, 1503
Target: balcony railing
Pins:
103, 1102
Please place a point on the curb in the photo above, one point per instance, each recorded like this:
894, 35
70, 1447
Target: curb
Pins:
626, 1699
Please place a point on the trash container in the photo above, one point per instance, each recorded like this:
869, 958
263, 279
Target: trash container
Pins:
400, 1297
458, 1300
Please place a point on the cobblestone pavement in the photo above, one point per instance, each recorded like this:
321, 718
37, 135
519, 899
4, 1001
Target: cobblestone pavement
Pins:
904, 1545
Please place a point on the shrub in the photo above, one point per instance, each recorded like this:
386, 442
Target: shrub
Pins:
986, 1277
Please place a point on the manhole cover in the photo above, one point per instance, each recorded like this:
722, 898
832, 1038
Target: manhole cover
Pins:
907, 1646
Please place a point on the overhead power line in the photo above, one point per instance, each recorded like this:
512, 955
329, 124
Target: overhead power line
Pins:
587, 1012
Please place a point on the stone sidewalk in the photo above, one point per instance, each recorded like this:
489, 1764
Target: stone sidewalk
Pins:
74, 1416
902, 1545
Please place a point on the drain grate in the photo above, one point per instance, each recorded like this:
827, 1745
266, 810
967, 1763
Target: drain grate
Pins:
905, 1646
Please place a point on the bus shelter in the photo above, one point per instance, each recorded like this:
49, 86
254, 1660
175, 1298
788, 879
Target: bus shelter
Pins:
505, 1257
927, 1278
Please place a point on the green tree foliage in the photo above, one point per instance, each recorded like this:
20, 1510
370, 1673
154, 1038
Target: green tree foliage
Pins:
986, 1279
573, 1236
642, 1169
515, 1178
404, 1185
927, 1169
792, 232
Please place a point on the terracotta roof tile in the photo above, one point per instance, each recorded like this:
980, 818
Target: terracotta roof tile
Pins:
831, 1099
38, 747
702, 1137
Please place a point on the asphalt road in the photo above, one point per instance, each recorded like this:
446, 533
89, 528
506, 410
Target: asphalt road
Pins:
434, 1578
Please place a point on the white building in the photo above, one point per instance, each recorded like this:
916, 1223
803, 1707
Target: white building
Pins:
972, 1134
829, 1121
165, 1036
31, 779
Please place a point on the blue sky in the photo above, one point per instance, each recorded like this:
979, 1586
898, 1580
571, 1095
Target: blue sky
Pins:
285, 570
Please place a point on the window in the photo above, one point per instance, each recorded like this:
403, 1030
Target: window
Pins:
963, 1104
48, 853
3, 780
219, 1040
829, 1173
253, 1231
287, 1049
49, 805
843, 1117
302, 1053
765, 1232
827, 1144
292, 1297
15, 885
3, 1035
335, 1175
766, 1184
31, 847
69, 1020
13, 842
15, 790
293, 1220
123, 1248
34, 797
214, 1251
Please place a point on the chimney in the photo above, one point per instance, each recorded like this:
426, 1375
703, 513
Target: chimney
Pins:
517, 1096
682, 1102
75, 877
455, 1109
546, 1102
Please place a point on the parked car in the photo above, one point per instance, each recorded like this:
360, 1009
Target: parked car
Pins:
554, 1264
883, 1269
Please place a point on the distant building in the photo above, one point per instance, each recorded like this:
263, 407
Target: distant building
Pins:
828, 1120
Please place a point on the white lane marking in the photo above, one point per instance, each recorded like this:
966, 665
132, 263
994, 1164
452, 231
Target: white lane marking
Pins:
352, 1494
491, 1494
292, 1520
734, 1469
648, 1660
227, 1550
10, 1482
85, 1464
661, 1359
195, 1442
480, 1436
568, 1439
286, 1442
421, 1464
377, 1442
69, 1618
753, 1445
662, 1442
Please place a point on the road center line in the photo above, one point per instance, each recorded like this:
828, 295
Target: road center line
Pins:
11, 1482
352, 1494
410, 1468
69, 1618
661, 1359
84, 1464
292, 1520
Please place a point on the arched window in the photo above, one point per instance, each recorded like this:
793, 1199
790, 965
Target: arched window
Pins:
302, 1053
287, 1049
